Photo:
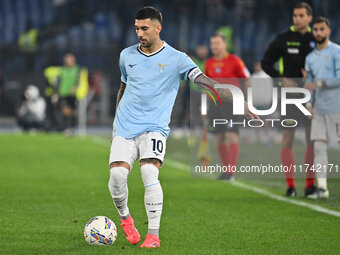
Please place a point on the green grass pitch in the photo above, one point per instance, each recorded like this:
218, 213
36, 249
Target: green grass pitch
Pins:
50, 186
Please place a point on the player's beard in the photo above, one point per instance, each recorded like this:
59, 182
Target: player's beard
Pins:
322, 40
146, 44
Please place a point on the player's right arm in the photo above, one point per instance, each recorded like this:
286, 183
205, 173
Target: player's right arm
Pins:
120, 93
123, 81
123, 78
271, 56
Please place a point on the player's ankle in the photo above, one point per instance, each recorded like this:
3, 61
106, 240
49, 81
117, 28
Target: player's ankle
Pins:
125, 217
153, 232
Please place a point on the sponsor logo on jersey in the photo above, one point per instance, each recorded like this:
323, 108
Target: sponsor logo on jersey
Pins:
293, 51
217, 70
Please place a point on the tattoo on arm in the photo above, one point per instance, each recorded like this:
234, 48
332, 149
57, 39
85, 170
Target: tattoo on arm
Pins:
120, 93
203, 81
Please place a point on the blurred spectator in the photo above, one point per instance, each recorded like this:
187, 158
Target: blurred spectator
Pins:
201, 56
51, 74
245, 9
28, 45
227, 31
66, 93
31, 114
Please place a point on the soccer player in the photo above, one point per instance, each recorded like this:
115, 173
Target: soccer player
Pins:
290, 49
220, 66
323, 78
150, 76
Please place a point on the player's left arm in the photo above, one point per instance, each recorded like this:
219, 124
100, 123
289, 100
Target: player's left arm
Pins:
202, 80
188, 70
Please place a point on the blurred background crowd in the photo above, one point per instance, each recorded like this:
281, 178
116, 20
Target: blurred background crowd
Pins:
38, 38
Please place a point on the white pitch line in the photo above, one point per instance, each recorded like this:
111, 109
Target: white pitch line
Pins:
177, 164
185, 167
258, 190
284, 199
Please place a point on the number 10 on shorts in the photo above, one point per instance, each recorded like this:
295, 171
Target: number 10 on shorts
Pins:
157, 145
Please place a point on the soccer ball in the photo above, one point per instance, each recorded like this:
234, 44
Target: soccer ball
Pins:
100, 230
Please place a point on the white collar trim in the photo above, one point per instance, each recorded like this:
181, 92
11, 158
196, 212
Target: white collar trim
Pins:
149, 54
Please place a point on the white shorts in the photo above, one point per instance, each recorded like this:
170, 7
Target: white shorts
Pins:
326, 127
146, 145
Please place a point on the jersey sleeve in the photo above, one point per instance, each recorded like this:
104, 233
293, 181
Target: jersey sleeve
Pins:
331, 83
308, 69
272, 54
241, 69
185, 65
123, 76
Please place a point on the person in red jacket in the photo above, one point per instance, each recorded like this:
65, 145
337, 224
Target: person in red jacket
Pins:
225, 67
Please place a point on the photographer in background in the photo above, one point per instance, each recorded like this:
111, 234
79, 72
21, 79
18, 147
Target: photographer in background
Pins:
31, 114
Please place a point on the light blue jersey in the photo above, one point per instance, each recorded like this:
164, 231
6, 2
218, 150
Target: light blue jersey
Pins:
325, 65
152, 83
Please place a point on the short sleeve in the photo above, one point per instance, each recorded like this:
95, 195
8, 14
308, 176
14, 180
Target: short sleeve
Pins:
123, 76
337, 62
241, 69
308, 69
185, 65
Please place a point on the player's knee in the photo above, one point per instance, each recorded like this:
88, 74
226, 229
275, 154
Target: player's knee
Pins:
149, 174
118, 177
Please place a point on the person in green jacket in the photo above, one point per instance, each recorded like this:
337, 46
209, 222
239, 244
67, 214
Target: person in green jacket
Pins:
66, 90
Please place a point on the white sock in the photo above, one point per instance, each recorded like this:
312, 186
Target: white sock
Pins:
153, 197
119, 190
321, 163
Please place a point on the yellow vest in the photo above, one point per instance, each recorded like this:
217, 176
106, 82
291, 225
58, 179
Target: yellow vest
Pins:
28, 40
83, 86
51, 74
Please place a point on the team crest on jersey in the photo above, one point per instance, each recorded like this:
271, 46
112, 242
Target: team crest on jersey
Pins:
161, 67
312, 44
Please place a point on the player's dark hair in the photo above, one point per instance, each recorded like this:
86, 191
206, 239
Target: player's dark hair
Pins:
322, 20
308, 8
218, 34
149, 12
